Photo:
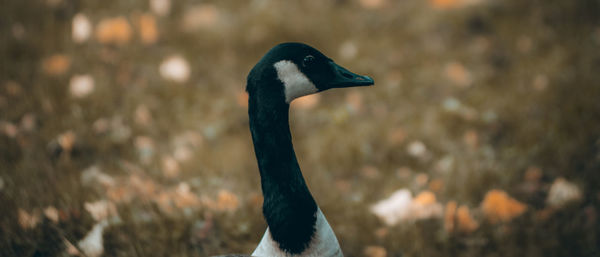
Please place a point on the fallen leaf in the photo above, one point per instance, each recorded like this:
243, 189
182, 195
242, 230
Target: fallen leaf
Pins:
395, 208
375, 251
92, 244
370, 172
170, 167
119, 129
452, 104
144, 188
160, 7
416, 149
113, 31
101, 125
200, 17
227, 201
184, 197
450, 216
26, 220
93, 174
540, 82
51, 213
12, 88
343, 186
499, 207
56, 64
421, 179
120, 194
145, 148
425, 206
396, 136
147, 29
184, 145
175, 68
81, 85
28, 122
190, 138
142, 115
544, 214
465, 221
382, 232
81, 28
165, 202
9, 129
458, 74
533, 174
563, 192
66, 140
436, 185
471, 139
404, 172
425, 198
101, 210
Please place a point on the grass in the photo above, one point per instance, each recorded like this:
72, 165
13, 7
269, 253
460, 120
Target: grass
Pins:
523, 73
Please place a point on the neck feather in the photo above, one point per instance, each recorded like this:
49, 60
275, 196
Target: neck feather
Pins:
289, 209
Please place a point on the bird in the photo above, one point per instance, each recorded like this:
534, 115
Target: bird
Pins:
296, 225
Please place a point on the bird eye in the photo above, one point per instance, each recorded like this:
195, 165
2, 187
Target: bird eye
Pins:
308, 60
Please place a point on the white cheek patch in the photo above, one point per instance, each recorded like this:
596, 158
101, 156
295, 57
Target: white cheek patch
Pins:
295, 83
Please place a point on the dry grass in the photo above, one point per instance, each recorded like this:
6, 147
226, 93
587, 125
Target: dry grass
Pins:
470, 96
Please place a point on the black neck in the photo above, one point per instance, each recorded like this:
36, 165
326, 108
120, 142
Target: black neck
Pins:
289, 209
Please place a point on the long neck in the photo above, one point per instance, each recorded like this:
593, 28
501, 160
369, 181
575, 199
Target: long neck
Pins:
289, 209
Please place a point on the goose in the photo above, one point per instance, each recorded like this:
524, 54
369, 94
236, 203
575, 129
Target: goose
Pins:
296, 224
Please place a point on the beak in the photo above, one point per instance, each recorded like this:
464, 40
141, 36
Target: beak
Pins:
345, 78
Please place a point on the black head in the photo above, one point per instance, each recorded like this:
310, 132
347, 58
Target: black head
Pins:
302, 70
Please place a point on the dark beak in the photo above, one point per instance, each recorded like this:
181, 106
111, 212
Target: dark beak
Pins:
345, 78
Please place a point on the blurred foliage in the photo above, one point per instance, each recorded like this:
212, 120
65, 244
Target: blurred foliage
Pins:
475, 95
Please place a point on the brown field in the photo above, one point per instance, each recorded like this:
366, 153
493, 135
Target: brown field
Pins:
132, 114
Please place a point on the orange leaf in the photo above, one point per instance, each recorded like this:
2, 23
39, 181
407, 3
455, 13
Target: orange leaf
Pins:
148, 30
425, 198
113, 31
499, 207
436, 185
458, 74
56, 64
466, 223
227, 201
450, 216
375, 251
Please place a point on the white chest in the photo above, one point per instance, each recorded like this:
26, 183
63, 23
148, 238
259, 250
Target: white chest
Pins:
323, 244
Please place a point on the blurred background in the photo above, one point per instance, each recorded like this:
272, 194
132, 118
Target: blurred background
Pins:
124, 129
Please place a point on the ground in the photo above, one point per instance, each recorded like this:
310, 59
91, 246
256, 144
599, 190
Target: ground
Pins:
134, 112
